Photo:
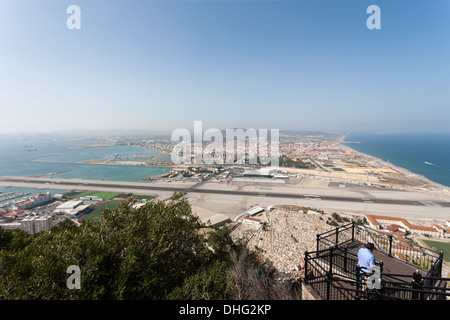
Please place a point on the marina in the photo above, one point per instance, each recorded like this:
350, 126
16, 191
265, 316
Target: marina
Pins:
62, 159
4, 197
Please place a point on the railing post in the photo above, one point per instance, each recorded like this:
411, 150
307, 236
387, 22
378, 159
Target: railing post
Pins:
358, 282
330, 273
306, 266
345, 258
337, 236
441, 261
417, 284
317, 241
390, 245
331, 260
439, 275
353, 231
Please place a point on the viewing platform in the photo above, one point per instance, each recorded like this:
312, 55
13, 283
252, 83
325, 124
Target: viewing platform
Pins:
406, 272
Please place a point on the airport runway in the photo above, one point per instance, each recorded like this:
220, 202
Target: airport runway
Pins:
139, 187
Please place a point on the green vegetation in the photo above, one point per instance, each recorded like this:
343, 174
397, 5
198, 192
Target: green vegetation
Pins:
284, 161
96, 213
140, 197
333, 223
422, 263
439, 246
157, 251
73, 194
102, 195
338, 219
14, 239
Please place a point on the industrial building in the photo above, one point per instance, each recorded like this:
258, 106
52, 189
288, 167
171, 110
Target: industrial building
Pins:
262, 172
253, 211
73, 208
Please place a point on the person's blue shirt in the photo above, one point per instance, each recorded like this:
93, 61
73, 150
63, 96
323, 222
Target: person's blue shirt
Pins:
365, 259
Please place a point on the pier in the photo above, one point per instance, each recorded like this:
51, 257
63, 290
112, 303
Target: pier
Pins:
11, 196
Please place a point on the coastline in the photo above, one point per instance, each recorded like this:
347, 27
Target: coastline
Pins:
404, 180
111, 161
106, 162
412, 180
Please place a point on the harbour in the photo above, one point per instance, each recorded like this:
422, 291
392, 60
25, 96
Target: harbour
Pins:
5, 197
65, 159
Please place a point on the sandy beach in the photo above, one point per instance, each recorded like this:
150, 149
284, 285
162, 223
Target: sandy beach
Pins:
407, 180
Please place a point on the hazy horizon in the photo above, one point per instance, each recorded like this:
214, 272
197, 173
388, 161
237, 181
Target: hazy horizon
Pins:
164, 134
161, 65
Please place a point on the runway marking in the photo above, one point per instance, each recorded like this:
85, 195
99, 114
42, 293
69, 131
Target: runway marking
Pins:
226, 201
70, 184
429, 203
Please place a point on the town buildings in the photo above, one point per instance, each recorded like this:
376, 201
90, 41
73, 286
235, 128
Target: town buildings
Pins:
34, 201
395, 225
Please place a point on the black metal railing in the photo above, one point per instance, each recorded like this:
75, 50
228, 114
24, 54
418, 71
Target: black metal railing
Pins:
416, 255
414, 287
329, 272
334, 274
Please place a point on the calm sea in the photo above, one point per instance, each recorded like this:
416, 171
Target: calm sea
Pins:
15, 159
425, 154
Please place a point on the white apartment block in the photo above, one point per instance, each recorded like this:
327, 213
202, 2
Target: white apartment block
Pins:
27, 224
34, 225
42, 223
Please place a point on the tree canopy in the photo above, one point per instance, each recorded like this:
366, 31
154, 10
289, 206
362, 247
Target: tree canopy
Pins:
157, 251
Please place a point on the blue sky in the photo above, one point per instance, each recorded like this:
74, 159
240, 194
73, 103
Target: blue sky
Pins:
161, 65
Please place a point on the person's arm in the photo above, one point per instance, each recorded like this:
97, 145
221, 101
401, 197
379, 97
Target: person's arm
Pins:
372, 262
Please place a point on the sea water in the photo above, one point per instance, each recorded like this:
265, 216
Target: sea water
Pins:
21, 158
424, 154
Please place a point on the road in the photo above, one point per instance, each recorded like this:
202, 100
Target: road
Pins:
71, 184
